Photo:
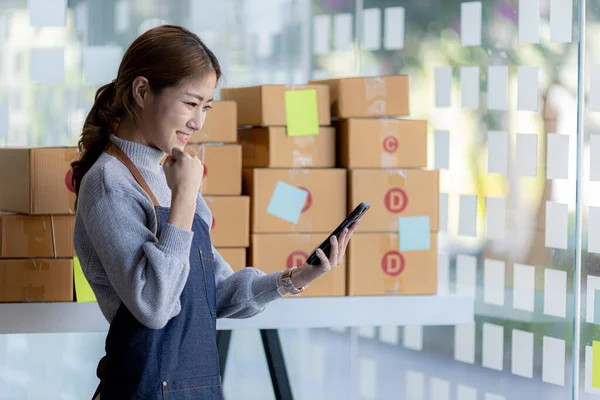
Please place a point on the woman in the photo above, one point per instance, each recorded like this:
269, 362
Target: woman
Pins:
142, 229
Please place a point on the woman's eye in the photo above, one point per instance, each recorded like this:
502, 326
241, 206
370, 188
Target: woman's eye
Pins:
192, 104
207, 108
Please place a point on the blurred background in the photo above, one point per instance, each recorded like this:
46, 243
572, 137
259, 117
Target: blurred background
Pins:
292, 41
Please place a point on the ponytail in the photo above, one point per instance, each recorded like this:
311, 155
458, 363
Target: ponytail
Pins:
97, 127
150, 56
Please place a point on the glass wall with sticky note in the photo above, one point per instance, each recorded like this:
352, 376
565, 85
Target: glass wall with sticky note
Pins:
496, 82
588, 148
462, 123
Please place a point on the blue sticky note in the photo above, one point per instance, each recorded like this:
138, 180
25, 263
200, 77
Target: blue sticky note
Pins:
597, 306
287, 202
414, 233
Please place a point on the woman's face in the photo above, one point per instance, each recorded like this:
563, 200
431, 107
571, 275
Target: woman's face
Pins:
169, 119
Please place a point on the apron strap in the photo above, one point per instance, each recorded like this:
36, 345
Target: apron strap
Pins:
120, 155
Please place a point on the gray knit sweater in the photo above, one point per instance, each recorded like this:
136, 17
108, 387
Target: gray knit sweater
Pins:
125, 261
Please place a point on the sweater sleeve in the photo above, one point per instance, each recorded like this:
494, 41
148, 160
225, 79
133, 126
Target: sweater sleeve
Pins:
240, 294
147, 272
244, 293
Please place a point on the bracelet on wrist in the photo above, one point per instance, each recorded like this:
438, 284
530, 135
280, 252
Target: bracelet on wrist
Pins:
286, 280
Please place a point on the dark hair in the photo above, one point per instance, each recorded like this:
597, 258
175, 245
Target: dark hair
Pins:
166, 56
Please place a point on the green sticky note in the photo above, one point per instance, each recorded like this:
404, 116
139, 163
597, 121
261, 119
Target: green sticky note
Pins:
83, 291
301, 112
596, 364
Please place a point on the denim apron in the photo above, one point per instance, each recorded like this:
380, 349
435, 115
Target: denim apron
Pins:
179, 361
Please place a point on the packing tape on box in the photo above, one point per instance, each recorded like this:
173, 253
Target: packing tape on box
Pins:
33, 239
28, 231
388, 160
293, 176
302, 159
53, 236
30, 293
33, 293
294, 86
375, 94
32, 233
392, 264
389, 143
397, 177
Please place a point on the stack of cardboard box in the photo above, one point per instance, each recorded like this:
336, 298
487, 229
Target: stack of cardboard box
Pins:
36, 225
395, 249
216, 145
273, 158
37, 217
381, 160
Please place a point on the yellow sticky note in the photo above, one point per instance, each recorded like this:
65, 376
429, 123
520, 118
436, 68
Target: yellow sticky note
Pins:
596, 364
301, 112
83, 291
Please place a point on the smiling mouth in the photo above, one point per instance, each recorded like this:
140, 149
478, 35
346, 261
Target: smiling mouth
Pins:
184, 137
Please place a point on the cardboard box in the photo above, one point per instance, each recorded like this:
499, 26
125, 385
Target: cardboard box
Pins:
384, 96
36, 236
220, 125
222, 168
272, 147
37, 180
394, 193
274, 252
236, 257
265, 105
324, 208
376, 267
383, 143
231, 220
36, 280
